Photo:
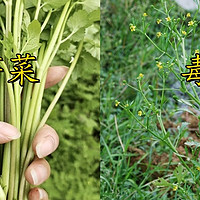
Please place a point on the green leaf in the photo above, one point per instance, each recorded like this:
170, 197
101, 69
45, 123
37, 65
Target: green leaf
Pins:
26, 20
79, 35
180, 173
92, 45
90, 5
162, 183
94, 16
192, 143
78, 20
8, 46
55, 4
30, 3
32, 43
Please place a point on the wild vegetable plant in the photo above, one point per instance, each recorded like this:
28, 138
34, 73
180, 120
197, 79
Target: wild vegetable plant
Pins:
41, 29
175, 42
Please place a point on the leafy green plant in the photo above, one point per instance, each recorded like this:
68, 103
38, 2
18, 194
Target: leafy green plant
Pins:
42, 28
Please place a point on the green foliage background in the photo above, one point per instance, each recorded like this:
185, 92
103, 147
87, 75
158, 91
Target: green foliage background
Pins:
75, 164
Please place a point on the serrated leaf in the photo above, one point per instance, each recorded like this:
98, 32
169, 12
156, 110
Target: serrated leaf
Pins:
92, 45
162, 183
192, 143
32, 43
93, 48
180, 173
90, 5
78, 20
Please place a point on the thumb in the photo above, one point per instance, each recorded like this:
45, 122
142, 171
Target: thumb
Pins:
8, 132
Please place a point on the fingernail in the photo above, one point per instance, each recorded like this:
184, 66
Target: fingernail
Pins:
41, 194
38, 174
45, 147
9, 131
34, 176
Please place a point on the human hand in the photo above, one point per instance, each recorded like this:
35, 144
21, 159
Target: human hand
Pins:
45, 142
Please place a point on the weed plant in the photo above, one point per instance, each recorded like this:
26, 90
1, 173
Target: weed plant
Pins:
140, 88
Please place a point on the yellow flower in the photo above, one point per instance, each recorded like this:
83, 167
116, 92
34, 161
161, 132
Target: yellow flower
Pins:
175, 187
190, 23
117, 103
139, 113
145, 14
184, 33
159, 65
141, 75
198, 168
197, 51
158, 34
132, 27
188, 15
168, 19
126, 105
159, 21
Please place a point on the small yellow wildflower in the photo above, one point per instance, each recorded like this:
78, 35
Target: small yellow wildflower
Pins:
159, 21
197, 51
158, 34
198, 168
190, 23
159, 65
175, 187
140, 113
184, 33
126, 105
132, 27
145, 14
168, 19
141, 75
117, 103
188, 15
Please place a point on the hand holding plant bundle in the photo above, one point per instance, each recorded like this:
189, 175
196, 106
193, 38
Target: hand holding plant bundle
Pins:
38, 30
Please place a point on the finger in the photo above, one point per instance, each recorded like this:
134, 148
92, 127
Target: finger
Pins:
45, 142
55, 74
38, 171
37, 194
8, 133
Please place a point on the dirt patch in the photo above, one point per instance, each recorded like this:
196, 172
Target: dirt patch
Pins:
163, 159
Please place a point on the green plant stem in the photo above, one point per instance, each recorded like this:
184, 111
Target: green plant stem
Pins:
58, 94
45, 117
156, 45
2, 194
46, 20
2, 91
43, 66
160, 138
37, 9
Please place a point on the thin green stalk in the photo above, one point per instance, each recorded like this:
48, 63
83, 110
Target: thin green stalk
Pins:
37, 9
8, 4
2, 90
58, 94
46, 20
2, 194
43, 66
45, 117
157, 46
2, 26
